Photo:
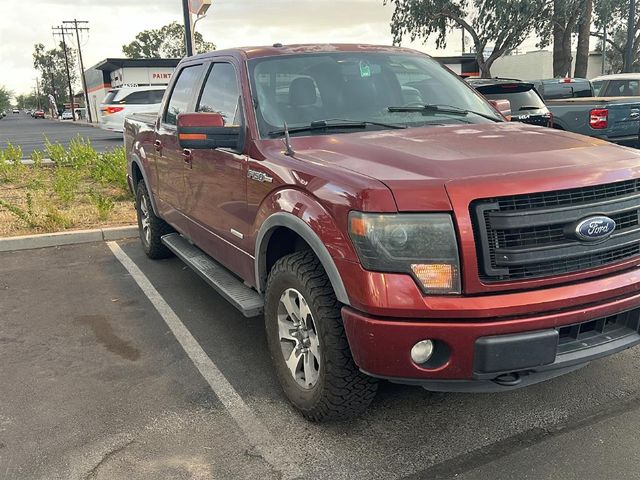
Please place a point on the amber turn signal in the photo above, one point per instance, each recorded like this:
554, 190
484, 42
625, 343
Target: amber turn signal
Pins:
435, 276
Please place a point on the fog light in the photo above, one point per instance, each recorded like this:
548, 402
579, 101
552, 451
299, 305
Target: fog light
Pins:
422, 351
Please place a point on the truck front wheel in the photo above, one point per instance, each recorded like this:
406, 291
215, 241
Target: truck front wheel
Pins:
308, 344
151, 227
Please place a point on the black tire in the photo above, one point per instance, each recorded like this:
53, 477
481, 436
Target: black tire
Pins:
151, 243
341, 390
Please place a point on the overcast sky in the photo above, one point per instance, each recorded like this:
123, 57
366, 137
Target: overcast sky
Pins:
229, 23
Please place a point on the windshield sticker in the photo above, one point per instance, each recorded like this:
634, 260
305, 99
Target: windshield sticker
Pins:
365, 69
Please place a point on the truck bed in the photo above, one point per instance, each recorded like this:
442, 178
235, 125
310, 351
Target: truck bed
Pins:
623, 113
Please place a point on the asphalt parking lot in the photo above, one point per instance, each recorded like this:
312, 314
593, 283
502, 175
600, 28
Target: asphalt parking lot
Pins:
29, 133
119, 367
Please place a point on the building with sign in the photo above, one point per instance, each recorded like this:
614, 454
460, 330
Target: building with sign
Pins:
125, 72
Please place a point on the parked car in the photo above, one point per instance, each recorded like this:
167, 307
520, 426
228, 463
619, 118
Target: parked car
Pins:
123, 101
38, 114
556, 88
15, 110
618, 85
67, 115
526, 104
387, 222
614, 119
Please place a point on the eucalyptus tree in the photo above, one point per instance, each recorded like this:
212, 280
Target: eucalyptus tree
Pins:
496, 27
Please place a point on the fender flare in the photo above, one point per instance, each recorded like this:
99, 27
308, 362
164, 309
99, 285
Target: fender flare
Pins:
290, 221
135, 160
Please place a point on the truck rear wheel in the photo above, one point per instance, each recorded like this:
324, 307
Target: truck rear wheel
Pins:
151, 227
308, 343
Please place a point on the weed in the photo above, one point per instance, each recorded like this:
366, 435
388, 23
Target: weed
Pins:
66, 184
55, 219
110, 169
104, 204
55, 151
37, 157
18, 212
80, 153
84, 187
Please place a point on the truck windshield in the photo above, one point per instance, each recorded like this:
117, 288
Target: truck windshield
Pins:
304, 89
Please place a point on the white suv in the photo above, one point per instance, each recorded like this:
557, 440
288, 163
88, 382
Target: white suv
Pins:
121, 102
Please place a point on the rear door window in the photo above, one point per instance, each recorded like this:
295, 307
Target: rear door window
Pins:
183, 90
623, 88
221, 93
144, 97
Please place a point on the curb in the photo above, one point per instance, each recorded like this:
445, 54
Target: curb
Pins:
30, 242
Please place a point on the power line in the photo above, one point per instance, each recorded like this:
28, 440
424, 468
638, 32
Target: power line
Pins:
60, 31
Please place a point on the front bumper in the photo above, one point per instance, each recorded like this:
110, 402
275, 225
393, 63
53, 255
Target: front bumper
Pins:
480, 355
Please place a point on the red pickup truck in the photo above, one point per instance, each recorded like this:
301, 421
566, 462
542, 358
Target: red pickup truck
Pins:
387, 222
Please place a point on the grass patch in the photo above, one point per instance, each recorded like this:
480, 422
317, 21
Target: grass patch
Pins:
85, 189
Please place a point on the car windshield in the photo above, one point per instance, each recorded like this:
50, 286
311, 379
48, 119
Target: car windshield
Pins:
340, 87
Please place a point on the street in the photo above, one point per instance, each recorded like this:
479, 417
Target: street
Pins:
30, 133
96, 385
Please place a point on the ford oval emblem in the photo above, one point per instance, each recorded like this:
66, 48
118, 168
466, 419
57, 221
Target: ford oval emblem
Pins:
596, 228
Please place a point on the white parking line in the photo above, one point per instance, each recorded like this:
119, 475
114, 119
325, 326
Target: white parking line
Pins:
257, 434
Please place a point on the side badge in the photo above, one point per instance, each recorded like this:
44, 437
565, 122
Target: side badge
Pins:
259, 176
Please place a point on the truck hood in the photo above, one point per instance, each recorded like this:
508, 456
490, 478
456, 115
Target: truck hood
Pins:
418, 163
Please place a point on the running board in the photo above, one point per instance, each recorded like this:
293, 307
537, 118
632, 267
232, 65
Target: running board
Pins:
245, 299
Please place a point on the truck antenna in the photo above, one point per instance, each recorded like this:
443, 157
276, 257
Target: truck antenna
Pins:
288, 150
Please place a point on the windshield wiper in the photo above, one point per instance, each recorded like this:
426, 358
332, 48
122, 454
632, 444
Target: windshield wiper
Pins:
529, 107
446, 109
334, 123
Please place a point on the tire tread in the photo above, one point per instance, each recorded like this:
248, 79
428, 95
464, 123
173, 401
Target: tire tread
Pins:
348, 392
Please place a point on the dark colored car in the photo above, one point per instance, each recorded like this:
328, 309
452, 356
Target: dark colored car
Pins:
527, 106
559, 88
386, 222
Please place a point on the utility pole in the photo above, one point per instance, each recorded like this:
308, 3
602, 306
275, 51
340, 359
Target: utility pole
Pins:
61, 31
38, 92
631, 26
78, 29
188, 28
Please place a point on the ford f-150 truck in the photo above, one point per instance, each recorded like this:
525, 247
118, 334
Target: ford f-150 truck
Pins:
387, 222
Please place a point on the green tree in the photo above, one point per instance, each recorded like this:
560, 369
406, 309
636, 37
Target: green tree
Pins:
165, 42
5, 98
31, 101
496, 27
51, 66
613, 14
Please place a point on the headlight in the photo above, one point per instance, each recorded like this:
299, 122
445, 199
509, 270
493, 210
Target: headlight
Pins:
422, 245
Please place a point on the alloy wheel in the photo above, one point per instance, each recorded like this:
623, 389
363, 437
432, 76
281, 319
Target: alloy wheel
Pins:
298, 338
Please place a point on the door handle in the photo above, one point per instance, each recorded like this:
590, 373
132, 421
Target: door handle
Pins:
157, 145
187, 157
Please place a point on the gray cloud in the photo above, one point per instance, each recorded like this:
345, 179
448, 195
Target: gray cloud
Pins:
230, 23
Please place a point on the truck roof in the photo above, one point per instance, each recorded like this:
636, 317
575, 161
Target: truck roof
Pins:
279, 49
618, 76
